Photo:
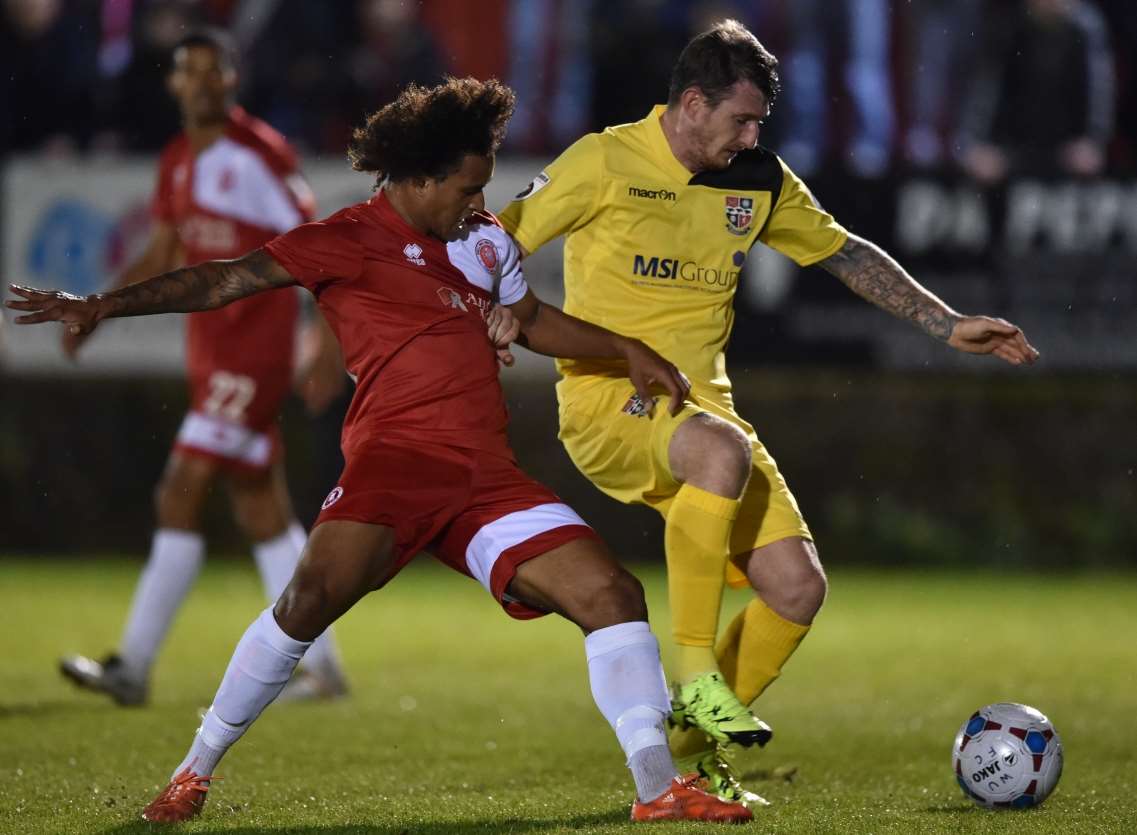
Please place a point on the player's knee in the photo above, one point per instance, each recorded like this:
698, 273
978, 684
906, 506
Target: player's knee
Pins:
180, 492
259, 517
175, 506
734, 457
717, 458
614, 598
812, 592
306, 607
800, 595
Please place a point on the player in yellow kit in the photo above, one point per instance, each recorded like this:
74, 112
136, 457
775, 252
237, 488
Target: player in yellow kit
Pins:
658, 217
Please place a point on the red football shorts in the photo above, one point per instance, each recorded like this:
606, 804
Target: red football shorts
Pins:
232, 417
475, 512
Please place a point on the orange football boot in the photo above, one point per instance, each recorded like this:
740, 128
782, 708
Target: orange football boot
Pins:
686, 801
181, 800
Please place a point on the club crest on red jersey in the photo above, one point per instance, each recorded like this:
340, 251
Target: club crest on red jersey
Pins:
487, 254
332, 498
450, 298
739, 214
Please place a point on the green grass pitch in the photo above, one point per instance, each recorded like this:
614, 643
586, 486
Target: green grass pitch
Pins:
462, 720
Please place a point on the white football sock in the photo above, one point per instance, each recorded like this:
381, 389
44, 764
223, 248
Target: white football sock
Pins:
261, 665
629, 688
175, 560
276, 560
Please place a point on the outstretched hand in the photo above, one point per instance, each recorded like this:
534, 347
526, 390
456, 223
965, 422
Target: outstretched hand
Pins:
646, 367
503, 329
985, 335
80, 313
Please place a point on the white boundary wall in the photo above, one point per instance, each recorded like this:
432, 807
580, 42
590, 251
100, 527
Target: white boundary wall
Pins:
71, 225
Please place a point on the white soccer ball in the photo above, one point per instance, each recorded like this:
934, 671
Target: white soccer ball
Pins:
1007, 755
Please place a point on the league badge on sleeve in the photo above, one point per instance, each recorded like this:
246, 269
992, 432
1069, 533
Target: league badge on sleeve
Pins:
739, 214
539, 182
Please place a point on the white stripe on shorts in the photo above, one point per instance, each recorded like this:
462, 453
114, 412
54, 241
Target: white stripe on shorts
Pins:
228, 440
513, 529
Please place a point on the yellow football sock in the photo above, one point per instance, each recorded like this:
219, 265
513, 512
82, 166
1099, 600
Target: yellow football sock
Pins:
726, 650
689, 662
765, 642
686, 742
696, 539
750, 654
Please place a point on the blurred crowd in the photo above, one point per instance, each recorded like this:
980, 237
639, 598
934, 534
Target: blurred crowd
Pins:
990, 86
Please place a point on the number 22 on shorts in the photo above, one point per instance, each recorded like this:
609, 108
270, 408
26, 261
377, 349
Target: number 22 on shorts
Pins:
229, 395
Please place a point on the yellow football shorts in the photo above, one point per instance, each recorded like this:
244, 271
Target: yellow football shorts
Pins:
623, 451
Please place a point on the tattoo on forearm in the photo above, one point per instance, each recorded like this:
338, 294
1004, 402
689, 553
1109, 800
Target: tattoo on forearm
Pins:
874, 276
201, 287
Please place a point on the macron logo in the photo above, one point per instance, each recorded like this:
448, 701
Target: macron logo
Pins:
651, 194
414, 254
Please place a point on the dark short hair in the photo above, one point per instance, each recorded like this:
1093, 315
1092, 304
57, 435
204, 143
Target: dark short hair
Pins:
715, 60
427, 131
209, 36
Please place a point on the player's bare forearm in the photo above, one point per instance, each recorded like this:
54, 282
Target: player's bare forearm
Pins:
201, 287
547, 330
875, 276
552, 332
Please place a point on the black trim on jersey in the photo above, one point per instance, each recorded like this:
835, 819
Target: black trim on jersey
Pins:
754, 170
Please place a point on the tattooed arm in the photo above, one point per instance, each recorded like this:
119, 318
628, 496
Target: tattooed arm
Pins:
875, 276
201, 287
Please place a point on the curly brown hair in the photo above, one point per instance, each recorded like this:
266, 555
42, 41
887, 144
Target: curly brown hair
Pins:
427, 131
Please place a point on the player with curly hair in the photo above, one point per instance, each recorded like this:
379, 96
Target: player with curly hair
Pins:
410, 281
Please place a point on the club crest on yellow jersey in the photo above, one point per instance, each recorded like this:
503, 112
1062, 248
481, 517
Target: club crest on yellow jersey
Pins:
638, 407
739, 213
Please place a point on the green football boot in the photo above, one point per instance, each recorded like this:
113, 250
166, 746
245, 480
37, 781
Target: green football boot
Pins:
707, 703
716, 767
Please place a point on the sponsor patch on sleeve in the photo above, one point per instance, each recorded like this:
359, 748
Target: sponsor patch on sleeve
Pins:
539, 182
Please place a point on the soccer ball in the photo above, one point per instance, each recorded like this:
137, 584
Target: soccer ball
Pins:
1007, 755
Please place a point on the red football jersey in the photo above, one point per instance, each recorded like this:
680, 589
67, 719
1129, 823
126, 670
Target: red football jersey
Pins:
409, 310
233, 197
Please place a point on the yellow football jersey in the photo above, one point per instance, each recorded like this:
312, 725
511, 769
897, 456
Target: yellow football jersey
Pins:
655, 253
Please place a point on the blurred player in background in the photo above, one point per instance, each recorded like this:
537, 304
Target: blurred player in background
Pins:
408, 282
226, 186
658, 217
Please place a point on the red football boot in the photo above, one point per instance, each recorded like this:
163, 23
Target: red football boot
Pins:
685, 801
181, 800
